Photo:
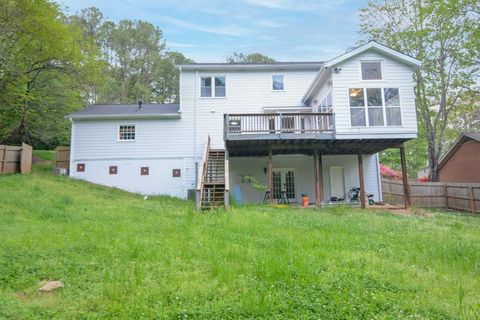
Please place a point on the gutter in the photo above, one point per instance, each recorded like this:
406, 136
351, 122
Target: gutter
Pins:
125, 116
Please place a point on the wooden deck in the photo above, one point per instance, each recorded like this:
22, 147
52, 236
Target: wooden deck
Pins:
279, 126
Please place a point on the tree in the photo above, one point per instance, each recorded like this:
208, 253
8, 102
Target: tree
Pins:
138, 66
41, 62
238, 57
445, 36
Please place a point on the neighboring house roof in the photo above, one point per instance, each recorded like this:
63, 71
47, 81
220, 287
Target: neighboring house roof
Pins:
128, 111
371, 45
464, 137
298, 65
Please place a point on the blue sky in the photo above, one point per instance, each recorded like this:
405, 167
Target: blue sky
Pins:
209, 31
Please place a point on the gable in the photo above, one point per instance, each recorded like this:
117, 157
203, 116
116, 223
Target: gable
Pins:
372, 48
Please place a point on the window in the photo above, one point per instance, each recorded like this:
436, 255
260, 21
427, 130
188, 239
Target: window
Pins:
206, 87
326, 104
144, 171
382, 105
375, 107
371, 70
392, 107
219, 86
218, 89
126, 133
277, 83
357, 107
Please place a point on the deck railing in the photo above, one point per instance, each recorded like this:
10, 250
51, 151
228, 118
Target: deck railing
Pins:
278, 123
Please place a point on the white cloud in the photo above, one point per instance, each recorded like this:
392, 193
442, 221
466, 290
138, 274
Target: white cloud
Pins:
228, 30
294, 5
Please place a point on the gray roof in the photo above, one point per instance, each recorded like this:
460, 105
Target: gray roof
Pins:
105, 111
294, 65
473, 135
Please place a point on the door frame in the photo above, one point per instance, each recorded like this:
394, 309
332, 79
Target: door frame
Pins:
282, 176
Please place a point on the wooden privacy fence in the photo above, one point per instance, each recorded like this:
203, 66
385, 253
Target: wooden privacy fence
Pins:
449, 195
15, 159
62, 157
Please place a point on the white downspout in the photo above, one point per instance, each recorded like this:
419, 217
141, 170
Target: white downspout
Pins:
195, 127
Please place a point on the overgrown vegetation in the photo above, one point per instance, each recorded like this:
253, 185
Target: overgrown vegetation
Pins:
120, 256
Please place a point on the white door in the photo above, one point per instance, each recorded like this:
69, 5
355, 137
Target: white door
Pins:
284, 180
337, 182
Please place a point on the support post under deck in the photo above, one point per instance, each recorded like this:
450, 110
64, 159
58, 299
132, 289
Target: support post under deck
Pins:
406, 189
270, 173
362, 181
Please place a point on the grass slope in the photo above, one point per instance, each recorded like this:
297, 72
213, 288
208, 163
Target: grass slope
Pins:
122, 257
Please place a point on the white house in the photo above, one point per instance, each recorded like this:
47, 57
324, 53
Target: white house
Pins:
311, 128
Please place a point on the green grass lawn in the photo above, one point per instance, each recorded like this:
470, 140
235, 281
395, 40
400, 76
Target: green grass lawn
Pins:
44, 154
120, 256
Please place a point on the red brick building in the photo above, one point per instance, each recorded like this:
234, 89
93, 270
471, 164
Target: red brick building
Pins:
462, 161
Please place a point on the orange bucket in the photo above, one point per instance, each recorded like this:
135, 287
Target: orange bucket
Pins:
305, 201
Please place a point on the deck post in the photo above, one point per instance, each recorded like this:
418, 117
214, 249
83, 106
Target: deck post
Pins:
317, 173
406, 189
362, 181
270, 173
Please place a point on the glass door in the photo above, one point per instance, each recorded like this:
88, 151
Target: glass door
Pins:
284, 182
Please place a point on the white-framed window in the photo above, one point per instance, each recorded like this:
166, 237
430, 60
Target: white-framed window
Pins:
371, 70
326, 102
126, 132
212, 86
277, 82
357, 107
375, 107
392, 106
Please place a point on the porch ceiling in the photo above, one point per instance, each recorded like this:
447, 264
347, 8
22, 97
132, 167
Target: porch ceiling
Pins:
245, 148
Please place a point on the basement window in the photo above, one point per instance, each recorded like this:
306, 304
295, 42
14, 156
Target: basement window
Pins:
126, 133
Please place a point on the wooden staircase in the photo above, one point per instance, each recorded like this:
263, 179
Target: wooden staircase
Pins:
212, 191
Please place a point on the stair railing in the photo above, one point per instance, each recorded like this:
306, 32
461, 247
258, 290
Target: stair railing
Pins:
202, 173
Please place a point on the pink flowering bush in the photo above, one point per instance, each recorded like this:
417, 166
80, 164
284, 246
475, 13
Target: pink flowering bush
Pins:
389, 173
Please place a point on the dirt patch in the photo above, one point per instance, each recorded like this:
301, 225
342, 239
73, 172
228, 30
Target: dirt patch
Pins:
402, 211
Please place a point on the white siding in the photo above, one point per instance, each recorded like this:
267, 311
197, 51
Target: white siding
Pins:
395, 75
161, 145
255, 167
158, 181
246, 92
303, 167
350, 164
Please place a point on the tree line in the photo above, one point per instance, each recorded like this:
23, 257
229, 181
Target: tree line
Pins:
52, 64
